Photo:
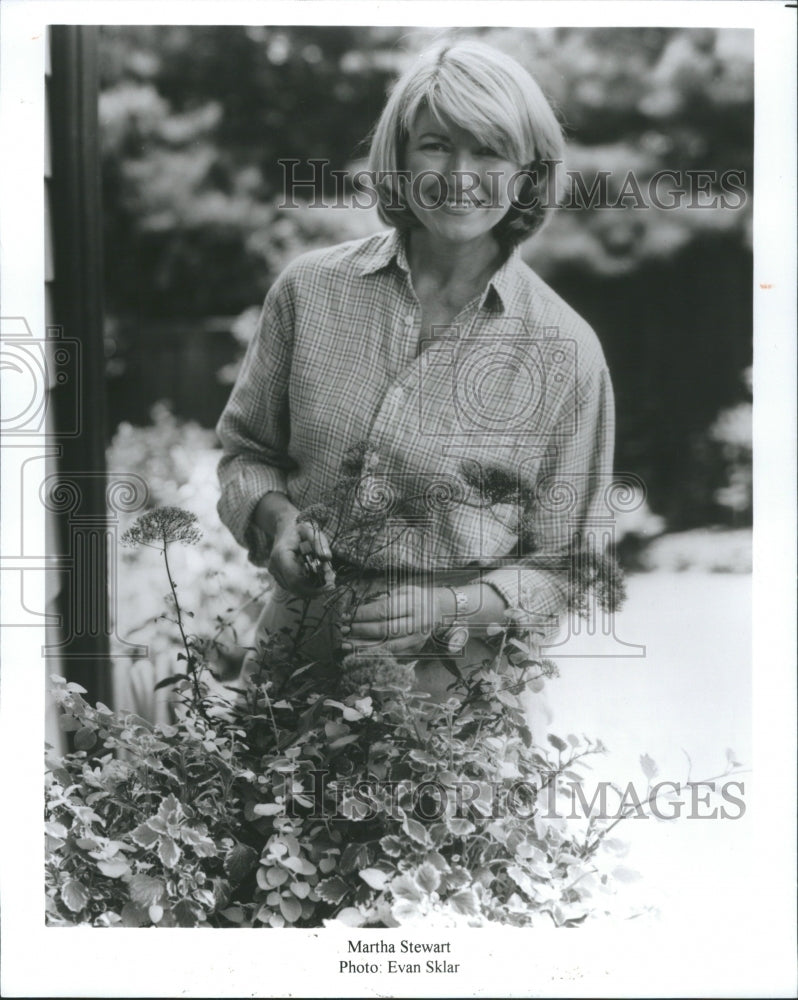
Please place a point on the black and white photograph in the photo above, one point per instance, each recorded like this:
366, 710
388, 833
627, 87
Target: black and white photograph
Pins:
398, 462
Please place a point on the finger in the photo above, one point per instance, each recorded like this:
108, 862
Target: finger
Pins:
374, 611
394, 627
312, 539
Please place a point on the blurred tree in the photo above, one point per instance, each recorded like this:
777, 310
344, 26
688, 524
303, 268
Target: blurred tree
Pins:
196, 119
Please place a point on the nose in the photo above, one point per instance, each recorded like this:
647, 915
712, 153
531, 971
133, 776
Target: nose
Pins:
463, 172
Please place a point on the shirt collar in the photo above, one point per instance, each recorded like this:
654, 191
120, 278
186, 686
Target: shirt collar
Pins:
501, 285
389, 247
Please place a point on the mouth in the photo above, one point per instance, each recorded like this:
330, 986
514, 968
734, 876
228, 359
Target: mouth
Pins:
461, 206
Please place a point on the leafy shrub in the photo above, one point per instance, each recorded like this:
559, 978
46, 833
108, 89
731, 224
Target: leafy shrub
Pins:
316, 793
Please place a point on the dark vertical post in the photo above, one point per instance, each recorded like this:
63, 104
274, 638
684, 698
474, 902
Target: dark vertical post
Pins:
78, 314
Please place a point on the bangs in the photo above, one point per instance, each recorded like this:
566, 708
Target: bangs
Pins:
488, 122
487, 94
477, 94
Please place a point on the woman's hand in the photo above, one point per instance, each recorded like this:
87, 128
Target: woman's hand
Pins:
399, 621
296, 547
297, 551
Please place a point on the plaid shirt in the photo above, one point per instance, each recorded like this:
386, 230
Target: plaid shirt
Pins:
518, 382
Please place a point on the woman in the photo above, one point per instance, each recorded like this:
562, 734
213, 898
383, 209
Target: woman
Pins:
438, 346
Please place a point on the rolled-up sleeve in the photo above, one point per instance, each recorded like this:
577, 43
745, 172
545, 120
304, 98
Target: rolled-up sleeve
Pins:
254, 428
570, 497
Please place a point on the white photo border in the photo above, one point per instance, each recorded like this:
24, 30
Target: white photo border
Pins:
708, 957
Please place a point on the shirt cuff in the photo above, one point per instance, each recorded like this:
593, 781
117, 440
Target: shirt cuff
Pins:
240, 496
542, 594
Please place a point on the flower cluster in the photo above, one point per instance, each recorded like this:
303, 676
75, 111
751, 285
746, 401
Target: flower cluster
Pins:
163, 526
374, 672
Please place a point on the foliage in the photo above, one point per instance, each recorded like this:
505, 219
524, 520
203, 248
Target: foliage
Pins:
323, 792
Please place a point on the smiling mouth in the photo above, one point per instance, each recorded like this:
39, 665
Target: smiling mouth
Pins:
461, 206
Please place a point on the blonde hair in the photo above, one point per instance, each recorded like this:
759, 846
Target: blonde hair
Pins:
490, 95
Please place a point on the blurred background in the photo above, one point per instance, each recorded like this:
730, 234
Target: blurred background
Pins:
193, 122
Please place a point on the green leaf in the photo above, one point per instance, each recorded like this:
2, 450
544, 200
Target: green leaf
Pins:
374, 877
300, 889
234, 914
114, 869
206, 899
343, 741
133, 915
146, 890
351, 917
76, 688
57, 830
406, 888
354, 856
465, 902
300, 865
556, 742
239, 862
332, 890
75, 896
169, 681
522, 880
221, 891
391, 845
416, 831
649, 766
205, 848
428, 877
144, 836
168, 852
276, 876
290, 908
185, 913
268, 809
85, 738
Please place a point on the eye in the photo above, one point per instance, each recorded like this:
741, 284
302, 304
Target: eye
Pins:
487, 151
434, 146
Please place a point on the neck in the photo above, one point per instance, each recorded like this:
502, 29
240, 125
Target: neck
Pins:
445, 262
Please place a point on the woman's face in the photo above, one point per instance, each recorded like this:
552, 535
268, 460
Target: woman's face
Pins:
459, 189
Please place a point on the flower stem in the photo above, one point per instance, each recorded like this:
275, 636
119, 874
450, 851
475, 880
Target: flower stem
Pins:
190, 664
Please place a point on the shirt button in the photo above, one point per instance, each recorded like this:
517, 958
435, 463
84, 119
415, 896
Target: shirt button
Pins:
409, 320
